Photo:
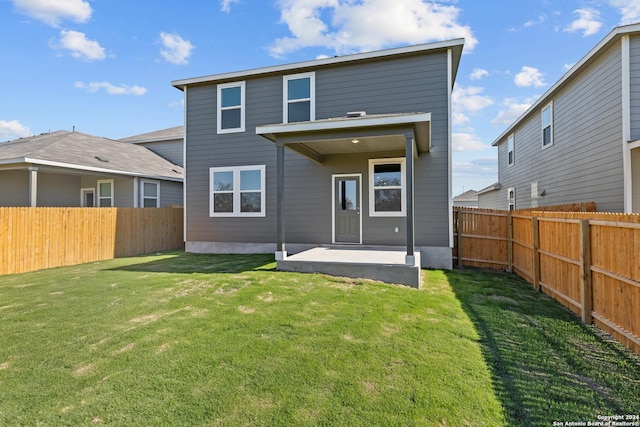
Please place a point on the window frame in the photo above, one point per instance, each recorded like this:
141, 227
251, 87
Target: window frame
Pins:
99, 197
511, 199
237, 191
373, 188
220, 108
143, 197
312, 95
549, 107
511, 154
83, 192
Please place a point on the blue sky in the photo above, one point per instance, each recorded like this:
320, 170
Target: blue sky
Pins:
106, 66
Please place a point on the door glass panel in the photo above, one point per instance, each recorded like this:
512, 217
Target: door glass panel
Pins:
347, 195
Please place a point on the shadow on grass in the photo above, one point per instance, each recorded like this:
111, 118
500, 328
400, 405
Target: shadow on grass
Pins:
181, 262
546, 365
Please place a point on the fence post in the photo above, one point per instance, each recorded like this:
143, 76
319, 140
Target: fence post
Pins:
510, 242
585, 272
536, 254
459, 237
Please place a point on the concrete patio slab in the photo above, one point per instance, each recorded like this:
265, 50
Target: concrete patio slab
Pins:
386, 264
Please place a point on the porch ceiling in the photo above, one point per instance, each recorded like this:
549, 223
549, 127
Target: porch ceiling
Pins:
373, 133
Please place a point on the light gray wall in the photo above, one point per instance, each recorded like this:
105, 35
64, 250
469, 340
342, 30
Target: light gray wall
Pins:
412, 84
170, 193
58, 190
493, 200
170, 150
14, 188
585, 162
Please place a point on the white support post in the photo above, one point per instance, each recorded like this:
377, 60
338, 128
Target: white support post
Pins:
33, 186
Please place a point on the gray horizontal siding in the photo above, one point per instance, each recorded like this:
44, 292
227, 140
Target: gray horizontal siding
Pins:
15, 188
411, 84
492, 200
585, 162
170, 193
169, 150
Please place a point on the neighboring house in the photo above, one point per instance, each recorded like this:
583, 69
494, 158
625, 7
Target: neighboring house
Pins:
167, 143
468, 199
353, 149
75, 169
580, 141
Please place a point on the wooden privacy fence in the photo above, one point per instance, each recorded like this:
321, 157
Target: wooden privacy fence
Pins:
36, 238
588, 261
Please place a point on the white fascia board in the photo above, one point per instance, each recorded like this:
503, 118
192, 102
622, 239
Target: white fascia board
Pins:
343, 123
180, 84
95, 169
12, 161
616, 32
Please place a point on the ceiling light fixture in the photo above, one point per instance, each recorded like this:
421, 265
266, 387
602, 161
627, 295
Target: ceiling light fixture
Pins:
355, 140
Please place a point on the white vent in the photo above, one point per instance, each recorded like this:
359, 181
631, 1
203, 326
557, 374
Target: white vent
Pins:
353, 114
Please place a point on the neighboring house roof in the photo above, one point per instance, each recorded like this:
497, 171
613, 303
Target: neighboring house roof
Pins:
168, 134
467, 196
455, 46
492, 187
80, 151
593, 54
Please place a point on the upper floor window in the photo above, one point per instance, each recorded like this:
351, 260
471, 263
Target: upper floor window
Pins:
510, 152
511, 199
150, 194
299, 97
237, 191
547, 126
387, 187
231, 107
105, 193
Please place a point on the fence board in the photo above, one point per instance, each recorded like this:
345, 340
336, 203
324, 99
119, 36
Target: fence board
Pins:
37, 238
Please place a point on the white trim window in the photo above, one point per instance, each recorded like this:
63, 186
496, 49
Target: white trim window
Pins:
149, 193
237, 191
231, 107
511, 199
105, 193
387, 187
510, 152
547, 125
299, 97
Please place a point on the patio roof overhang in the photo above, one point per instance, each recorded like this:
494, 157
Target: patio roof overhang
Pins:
351, 135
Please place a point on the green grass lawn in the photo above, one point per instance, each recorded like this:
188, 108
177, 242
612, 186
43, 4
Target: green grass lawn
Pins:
183, 339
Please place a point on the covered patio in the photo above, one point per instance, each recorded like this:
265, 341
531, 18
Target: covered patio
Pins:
357, 133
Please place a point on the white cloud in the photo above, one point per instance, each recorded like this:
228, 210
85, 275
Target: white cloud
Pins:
469, 99
225, 5
51, 12
12, 129
629, 9
176, 49
347, 26
513, 108
484, 167
589, 22
529, 76
80, 46
467, 142
535, 22
458, 118
111, 88
478, 73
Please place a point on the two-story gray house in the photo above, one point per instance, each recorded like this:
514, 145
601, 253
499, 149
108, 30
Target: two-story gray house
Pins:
580, 141
352, 150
